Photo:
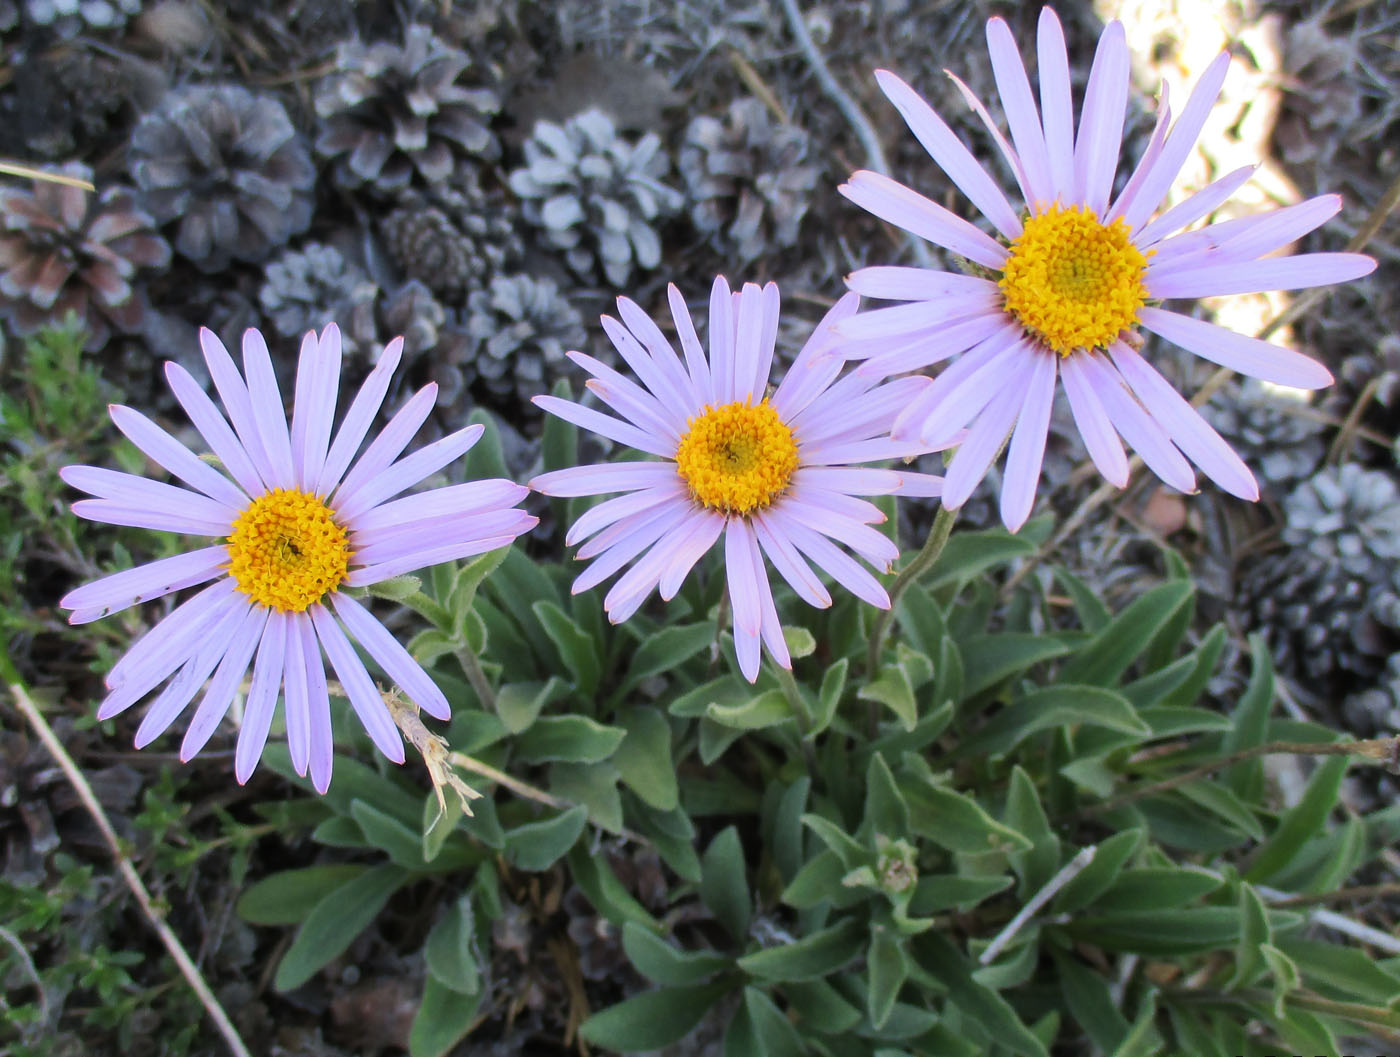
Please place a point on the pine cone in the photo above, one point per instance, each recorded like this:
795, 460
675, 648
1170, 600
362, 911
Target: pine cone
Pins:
521, 328
309, 287
66, 102
453, 239
594, 195
64, 249
1271, 430
1349, 516
390, 111
229, 166
747, 186
68, 18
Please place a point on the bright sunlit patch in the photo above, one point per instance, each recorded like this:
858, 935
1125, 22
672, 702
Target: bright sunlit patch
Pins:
737, 458
286, 550
1074, 282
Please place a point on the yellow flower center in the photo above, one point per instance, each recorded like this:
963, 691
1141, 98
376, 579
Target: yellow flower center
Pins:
286, 551
737, 458
1072, 281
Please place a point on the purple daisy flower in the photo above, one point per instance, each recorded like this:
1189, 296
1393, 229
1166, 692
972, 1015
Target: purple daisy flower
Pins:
1073, 276
302, 518
772, 474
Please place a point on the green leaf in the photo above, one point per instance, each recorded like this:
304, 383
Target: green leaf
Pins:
664, 964
785, 833
1301, 821
850, 851
888, 966
1251, 722
519, 704
774, 1032
1106, 656
572, 739
1283, 974
1194, 930
810, 958
1171, 721
340, 916
989, 659
594, 785
969, 554
1254, 933
936, 956
921, 620
467, 579
833, 685
1091, 1003
1093, 614
448, 949
651, 1020
485, 458
723, 885
666, 650
559, 437
767, 709
396, 588
389, 835
935, 892
800, 642
1096, 878
817, 881
576, 647
601, 887
1050, 707
439, 823
1344, 972
893, 690
537, 846
1156, 888
1222, 803
885, 810
443, 1019
286, 898
644, 757
820, 1007
957, 822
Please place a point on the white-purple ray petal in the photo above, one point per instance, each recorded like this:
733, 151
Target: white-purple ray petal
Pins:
699, 537
770, 626
1027, 450
634, 536
863, 332
1251, 277
397, 662
634, 586
984, 441
696, 364
262, 696
1201, 204
791, 566
739, 546
318, 706
907, 209
119, 591
392, 544
234, 393
964, 389
750, 356
935, 345
610, 511
1101, 127
128, 488
317, 387
1056, 103
875, 449
357, 420
630, 400
722, 341
269, 417
615, 429
1149, 158
1008, 152
868, 543
163, 519
853, 480
901, 283
408, 472
867, 415
436, 555
830, 558
607, 477
207, 418
1021, 114
294, 697
1137, 425
389, 444
950, 155
835, 501
169, 453
456, 499
1188, 430
1263, 234
1180, 142
653, 377
921, 485
365, 699
243, 640
645, 330
186, 619
1258, 359
1100, 438
171, 702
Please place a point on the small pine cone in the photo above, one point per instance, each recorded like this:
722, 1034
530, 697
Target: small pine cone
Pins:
63, 249
411, 312
594, 195
229, 167
1272, 431
1375, 711
747, 186
68, 18
390, 111
522, 327
307, 288
453, 239
1349, 517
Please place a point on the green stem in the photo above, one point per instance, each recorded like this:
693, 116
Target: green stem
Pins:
721, 622
917, 566
467, 658
805, 723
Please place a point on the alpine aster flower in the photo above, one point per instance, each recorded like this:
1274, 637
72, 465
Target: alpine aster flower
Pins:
301, 518
772, 474
1073, 277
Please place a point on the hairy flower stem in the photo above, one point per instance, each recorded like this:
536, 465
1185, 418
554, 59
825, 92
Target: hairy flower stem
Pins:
805, 723
917, 566
721, 622
467, 658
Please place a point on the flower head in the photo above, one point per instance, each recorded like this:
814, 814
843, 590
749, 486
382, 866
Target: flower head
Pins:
300, 518
1072, 279
771, 473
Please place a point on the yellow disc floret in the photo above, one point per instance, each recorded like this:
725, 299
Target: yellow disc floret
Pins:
1072, 281
737, 458
286, 551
